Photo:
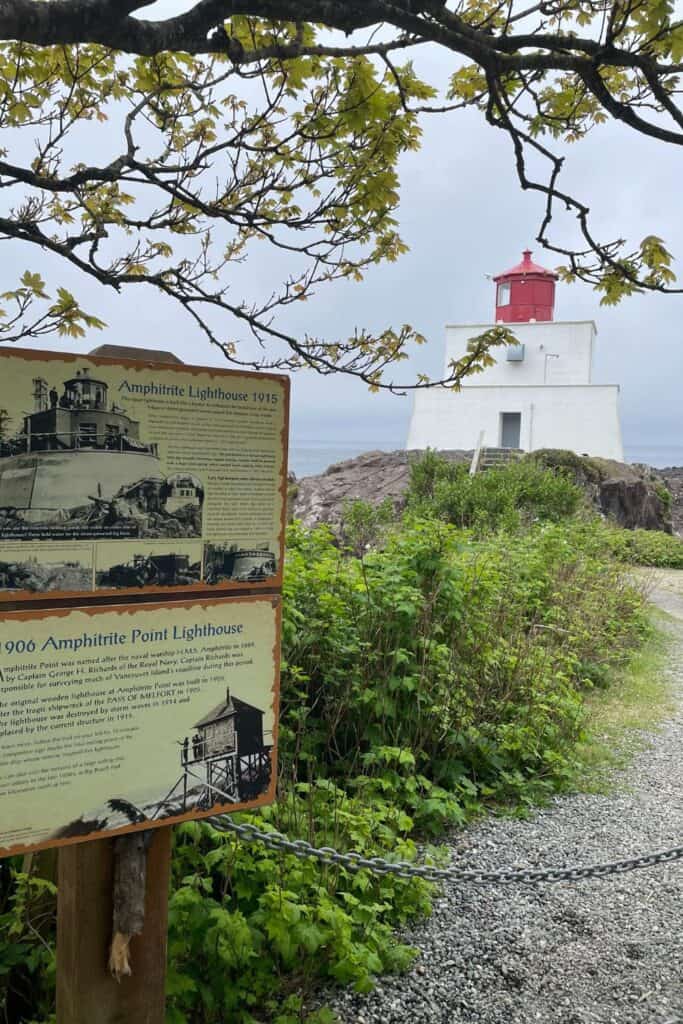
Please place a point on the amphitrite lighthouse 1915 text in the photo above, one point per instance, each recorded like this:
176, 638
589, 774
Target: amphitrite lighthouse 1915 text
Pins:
539, 394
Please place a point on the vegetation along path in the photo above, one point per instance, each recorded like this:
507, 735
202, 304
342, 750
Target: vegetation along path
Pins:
599, 952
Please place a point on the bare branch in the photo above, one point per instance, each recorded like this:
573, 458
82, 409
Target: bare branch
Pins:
190, 177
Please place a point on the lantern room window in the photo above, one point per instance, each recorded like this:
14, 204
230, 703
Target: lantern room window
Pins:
503, 294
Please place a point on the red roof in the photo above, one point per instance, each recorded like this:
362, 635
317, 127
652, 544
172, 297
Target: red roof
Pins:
526, 267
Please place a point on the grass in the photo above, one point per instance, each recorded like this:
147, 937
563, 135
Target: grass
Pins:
637, 702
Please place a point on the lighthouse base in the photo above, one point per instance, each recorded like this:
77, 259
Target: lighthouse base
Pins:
580, 418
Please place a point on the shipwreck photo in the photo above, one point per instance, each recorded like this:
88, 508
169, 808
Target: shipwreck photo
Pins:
229, 562
39, 574
147, 568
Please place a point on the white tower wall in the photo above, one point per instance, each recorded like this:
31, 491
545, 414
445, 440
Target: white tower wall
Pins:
554, 353
548, 386
582, 418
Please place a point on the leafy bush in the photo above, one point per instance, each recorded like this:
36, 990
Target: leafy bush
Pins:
421, 682
645, 547
469, 655
508, 497
251, 930
27, 948
364, 525
579, 468
665, 496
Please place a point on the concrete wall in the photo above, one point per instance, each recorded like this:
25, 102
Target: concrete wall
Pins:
571, 342
584, 419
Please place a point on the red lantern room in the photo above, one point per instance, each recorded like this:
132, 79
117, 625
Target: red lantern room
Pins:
525, 293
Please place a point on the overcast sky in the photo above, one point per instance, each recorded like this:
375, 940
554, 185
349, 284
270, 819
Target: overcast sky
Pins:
464, 216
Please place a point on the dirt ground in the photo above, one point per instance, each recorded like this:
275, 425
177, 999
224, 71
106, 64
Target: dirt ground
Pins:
665, 587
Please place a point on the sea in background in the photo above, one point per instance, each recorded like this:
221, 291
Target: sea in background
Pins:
308, 457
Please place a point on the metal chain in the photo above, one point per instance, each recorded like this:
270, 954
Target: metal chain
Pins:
404, 869
353, 861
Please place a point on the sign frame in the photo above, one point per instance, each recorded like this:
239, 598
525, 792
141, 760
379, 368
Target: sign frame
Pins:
265, 797
98, 593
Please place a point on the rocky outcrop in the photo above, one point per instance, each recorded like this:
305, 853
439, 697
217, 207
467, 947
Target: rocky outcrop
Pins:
673, 478
633, 505
372, 477
632, 495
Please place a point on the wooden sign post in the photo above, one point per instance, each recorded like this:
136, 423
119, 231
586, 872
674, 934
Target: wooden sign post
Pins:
139, 638
87, 992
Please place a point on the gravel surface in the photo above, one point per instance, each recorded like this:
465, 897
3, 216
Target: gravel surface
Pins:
598, 952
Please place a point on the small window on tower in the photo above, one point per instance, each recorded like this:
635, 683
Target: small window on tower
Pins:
503, 294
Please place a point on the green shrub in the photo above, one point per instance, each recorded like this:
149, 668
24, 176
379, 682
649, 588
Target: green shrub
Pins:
665, 496
252, 930
645, 547
469, 655
508, 498
420, 683
364, 525
27, 944
579, 468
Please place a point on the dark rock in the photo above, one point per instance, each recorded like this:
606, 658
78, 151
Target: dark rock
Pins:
632, 495
634, 504
371, 477
673, 478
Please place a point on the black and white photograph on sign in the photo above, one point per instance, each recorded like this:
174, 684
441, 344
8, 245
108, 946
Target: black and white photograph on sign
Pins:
166, 461
223, 562
44, 573
224, 758
183, 491
123, 566
121, 713
76, 467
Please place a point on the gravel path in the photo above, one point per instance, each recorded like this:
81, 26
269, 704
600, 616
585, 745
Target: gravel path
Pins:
600, 952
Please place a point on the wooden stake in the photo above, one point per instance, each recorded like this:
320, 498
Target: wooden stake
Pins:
86, 992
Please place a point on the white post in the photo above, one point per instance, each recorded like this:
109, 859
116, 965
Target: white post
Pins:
474, 465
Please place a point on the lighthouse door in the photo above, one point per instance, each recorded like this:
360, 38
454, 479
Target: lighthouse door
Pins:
510, 429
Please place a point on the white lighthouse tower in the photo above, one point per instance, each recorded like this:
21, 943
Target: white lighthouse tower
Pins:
539, 394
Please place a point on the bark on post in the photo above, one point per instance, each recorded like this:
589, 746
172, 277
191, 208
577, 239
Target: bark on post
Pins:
128, 916
86, 991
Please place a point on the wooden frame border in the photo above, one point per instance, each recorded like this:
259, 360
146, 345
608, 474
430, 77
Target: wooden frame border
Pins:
266, 798
64, 598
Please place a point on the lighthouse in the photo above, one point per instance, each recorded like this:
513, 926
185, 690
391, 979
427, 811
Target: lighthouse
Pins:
538, 394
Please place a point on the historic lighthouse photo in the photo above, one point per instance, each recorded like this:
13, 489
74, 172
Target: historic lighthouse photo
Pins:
77, 468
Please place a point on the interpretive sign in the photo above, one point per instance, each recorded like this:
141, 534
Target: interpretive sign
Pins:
132, 716
138, 476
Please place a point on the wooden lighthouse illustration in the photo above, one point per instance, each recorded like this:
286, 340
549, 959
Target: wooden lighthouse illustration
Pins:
227, 753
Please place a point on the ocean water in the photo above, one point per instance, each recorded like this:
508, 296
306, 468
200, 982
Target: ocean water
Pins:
658, 456
308, 457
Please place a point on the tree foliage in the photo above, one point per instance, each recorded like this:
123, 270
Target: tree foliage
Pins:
158, 153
